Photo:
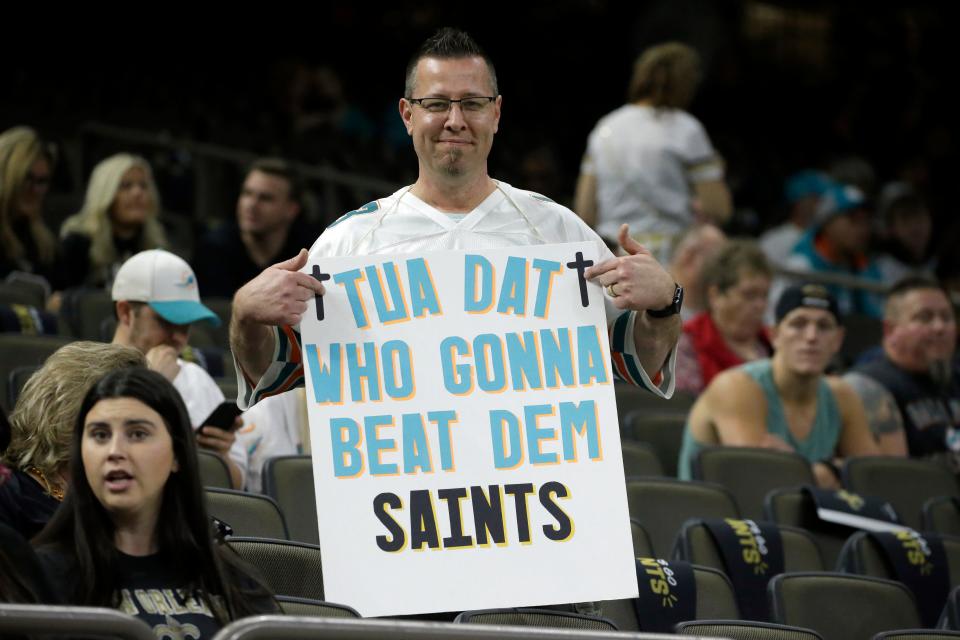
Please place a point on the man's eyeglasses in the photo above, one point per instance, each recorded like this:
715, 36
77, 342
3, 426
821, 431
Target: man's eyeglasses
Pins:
473, 104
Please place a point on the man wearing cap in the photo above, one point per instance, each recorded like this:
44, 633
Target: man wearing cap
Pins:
786, 402
802, 191
912, 391
837, 243
156, 300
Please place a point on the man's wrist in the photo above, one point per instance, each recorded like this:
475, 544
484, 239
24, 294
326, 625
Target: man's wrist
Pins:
672, 308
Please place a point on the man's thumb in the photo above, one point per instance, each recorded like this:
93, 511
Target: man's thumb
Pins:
295, 263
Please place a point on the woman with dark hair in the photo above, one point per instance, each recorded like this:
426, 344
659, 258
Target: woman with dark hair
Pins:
133, 531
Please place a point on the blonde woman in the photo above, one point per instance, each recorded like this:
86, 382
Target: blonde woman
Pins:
26, 243
119, 218
41, 426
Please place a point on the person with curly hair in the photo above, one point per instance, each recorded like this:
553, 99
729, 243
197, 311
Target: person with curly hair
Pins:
41, 424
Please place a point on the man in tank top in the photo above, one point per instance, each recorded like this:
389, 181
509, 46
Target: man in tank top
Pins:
786, 402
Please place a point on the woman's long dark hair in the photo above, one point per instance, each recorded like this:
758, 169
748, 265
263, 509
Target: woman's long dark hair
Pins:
82, 528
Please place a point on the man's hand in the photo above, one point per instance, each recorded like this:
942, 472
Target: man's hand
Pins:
163, 359
773, 441
635, 281
218, 440
279, 295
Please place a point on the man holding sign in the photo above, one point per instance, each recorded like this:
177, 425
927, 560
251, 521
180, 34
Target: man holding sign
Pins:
519, 400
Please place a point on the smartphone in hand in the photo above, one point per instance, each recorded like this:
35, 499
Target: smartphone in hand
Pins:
223, 417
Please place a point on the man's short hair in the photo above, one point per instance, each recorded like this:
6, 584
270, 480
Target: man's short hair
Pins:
905, 286
282, 169
725, 269
448, 44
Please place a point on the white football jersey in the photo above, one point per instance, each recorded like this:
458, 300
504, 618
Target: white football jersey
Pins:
402, 223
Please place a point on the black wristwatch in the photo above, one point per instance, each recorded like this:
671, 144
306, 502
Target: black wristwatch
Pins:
671, 309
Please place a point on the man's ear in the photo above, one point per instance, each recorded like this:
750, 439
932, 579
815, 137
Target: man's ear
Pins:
124, 312
406, 114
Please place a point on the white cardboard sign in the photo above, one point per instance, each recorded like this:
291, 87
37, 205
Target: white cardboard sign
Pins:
464, 432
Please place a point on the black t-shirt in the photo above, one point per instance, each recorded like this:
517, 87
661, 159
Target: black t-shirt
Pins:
75, 264
152, 588
24, 505
17, 557
928, 409
154, 593
223, 264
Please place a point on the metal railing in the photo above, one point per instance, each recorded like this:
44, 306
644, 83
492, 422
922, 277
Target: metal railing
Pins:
209, 158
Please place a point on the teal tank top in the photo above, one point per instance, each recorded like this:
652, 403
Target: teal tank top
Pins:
818, 445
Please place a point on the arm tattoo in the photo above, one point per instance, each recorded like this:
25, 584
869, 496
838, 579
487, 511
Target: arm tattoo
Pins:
883, 415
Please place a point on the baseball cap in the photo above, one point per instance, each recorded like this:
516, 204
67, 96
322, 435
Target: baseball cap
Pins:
166, 283
838, 199
805, 183
814, 296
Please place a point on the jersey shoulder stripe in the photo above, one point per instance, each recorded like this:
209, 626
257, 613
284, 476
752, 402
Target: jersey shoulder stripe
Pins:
370, 207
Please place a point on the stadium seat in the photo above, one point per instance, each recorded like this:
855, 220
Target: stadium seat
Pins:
315, 608
662, 505
695, 544
23, 351
745, 630
950, 618
289, 568
942, 515
541, 618
793, 507
715, 601
289, 481
906, 482
15, 381
83, 311
642, 547
662, 432
842, 606
751, 473
639, 459
213, 470
862, 555
918, 634
248, 514
63, 621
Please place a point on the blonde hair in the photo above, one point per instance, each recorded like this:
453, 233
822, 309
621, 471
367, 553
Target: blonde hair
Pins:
666, 75
44, 417
94, 219
19, 149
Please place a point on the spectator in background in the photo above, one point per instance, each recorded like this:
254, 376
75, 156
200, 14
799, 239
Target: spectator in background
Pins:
41, 424
912, 392
730, 332
268, 226
837, 243
133, 532
650, 163
26, 243
802, 191
119, 218
275, 426
695, 247
786, 402
157, 298
905, 248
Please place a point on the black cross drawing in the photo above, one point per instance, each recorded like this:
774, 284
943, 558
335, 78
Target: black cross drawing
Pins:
580, 265
321, 276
